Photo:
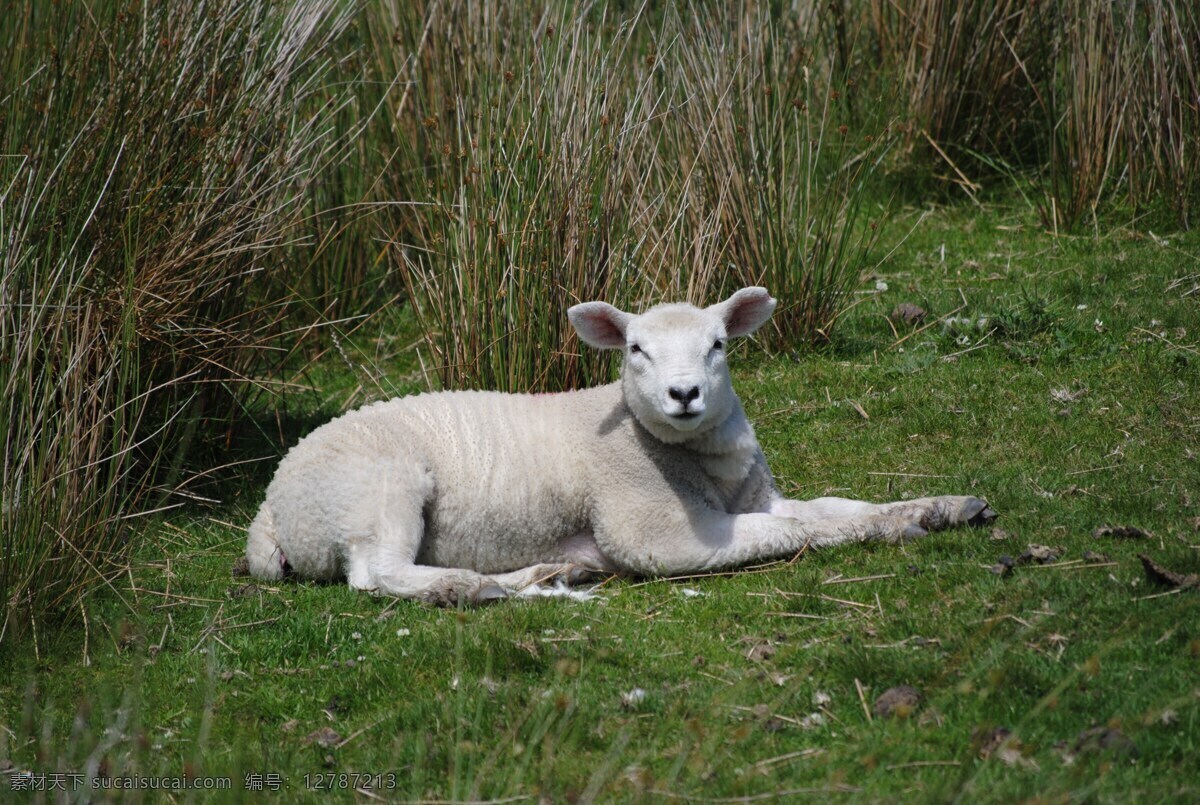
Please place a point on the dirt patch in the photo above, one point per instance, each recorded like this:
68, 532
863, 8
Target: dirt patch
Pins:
1121, 532
1157, 574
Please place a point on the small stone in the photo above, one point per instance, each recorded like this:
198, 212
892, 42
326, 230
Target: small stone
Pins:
1001, 744
242, 591
898, 702
336, 706
812, 721
907, 313
632, 700
1042, 554
1121, 531
324, 737
991, 740
1105, 739
761, 652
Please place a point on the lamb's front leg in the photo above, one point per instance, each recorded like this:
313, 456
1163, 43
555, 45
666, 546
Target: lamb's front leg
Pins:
698, 539
944, 511
932, 514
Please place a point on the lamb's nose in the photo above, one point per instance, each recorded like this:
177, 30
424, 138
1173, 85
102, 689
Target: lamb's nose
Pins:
682, 396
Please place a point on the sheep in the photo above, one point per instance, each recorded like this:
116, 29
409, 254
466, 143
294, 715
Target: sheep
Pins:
469, 496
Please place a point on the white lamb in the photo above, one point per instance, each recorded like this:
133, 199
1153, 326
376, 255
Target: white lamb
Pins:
467, 496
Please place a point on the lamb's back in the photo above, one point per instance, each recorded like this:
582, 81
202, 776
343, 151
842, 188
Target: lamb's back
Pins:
508, 474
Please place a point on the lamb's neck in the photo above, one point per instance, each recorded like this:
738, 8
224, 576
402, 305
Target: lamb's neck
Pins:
734, 436
728, 451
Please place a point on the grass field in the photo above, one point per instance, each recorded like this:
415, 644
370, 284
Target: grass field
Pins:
1062, 383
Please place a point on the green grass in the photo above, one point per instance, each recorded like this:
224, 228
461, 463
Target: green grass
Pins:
189, 201
182, 669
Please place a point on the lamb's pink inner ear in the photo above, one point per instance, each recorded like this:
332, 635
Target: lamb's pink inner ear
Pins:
599, 324
746, 311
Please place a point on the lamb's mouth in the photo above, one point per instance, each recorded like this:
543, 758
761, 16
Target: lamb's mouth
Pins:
686, 415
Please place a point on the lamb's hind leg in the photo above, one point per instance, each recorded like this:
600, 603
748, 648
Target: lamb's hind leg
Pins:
580, 561
393, 572
518, 580
442, 586
385, 562
379, 572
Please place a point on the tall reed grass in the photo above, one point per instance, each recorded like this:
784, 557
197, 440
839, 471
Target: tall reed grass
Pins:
779, 164
558, 157
519, 139
153, 168
1100, 101
966, 74
1122, 110
1088, 103
1163, 151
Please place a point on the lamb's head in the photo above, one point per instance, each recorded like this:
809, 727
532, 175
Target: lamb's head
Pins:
675, 377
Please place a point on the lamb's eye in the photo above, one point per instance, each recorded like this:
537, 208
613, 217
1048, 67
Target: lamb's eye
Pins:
718, 344
634, 348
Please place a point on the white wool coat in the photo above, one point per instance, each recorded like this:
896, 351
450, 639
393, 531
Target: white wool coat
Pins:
505, 481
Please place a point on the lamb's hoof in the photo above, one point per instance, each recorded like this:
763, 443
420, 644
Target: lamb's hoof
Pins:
581, 575
977, 512
488, 594
912, 531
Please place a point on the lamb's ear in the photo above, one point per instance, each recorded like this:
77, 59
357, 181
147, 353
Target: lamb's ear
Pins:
745, 311
600, 324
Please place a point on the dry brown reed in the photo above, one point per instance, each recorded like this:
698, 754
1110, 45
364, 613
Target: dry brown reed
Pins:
1099, 100
555, 158
967, 72
154, 172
